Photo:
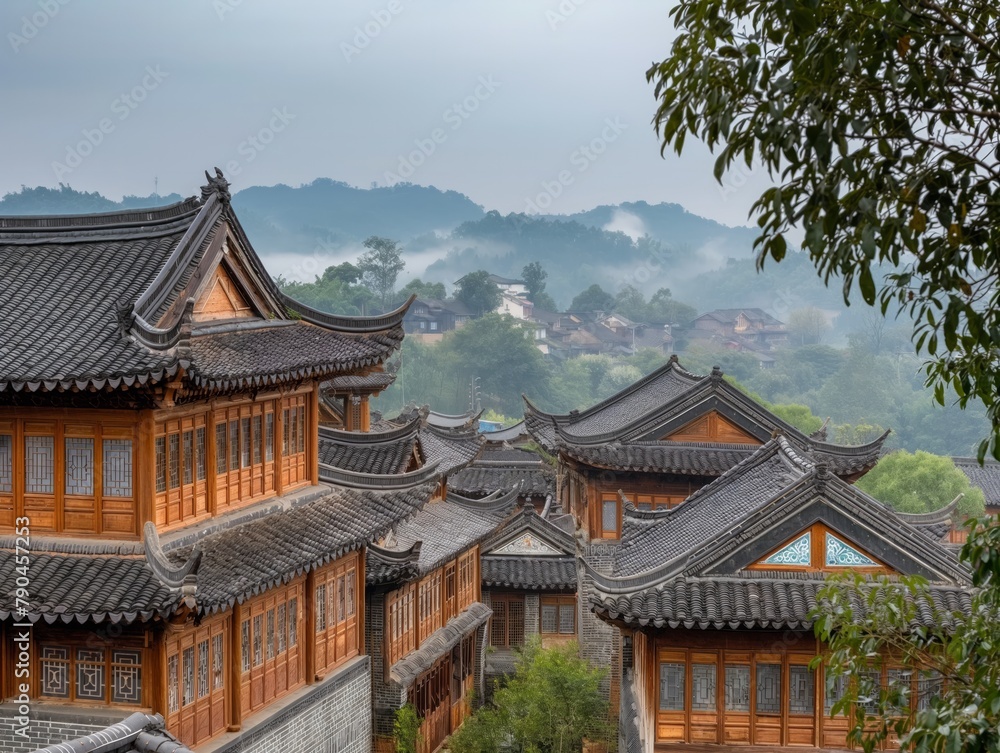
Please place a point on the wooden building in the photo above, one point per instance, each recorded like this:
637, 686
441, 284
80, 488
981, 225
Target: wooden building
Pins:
713, 599
680, 469
159, 402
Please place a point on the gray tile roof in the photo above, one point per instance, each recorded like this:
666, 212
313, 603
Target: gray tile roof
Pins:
539, 574
511, 434
94, 584
714, 508
445, 528
350, 383
663, 457
504, 468
386, 452
986, 477
137, 733
103, 295
761, 600
250, 558
439, 643
452, 449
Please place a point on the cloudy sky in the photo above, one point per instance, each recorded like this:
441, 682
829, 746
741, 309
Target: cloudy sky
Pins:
521, 104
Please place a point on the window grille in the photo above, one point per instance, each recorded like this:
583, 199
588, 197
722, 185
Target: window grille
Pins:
220, 448
768, 688
39, 464
258, 439
282, 629
801, 690
269, 437
567, 619
737, 687
341, 599
245, 442
321, 608
161, 463
258, 640
286, 432
295, 431
703, 679
234, 445
172, 688
187, 667
270, 633
126, 677
351, 578
218, 678
6, 463
79, 467
174, 460
836, 687
549, 618
117, 467
188, 457
245, 644
199, 452
203, 669
869, 690
929, 686
609, 516
302, 429
55, 672
293, 622
898, 690
671, 686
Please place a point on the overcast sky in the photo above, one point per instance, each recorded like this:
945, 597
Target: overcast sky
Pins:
520, 104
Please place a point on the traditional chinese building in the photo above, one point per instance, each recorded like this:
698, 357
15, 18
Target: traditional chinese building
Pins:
164, 530
653, 447
713, 599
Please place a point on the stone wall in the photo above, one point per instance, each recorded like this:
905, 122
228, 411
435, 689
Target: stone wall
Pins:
334, 717
48, 726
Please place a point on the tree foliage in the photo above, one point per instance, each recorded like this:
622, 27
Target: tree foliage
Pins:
380, 266
878, 121
920, 482
807, 326
432, 290
477, 291
593, 298
406, 729
552, 702
960, 654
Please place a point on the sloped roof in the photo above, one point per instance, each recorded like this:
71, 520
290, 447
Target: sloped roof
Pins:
386, 452
272, 549
89, 581
510, 434
536, 571
688, 565
750, 600
728, 316
439, 643
354, 384
504, 468
448, 527
986, 477
623, 432
452, 449
98, 301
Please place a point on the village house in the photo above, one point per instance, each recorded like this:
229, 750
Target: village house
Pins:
708, 525
160, 488
747, 328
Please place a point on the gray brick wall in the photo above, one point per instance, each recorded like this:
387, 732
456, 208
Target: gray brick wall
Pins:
600, 643
45, 728
334, 718
387, 696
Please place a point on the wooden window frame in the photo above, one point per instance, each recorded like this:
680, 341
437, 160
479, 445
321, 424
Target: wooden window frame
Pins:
206, 716
340, 639
503, 623
72, 662
560, 603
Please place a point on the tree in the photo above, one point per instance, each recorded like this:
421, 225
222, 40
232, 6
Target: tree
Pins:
477, 291
344, 272
380, 265
921, 482
958, 652
593, 299
551, 703
878, 122
432, 290
534, 279
663, 308
807, 326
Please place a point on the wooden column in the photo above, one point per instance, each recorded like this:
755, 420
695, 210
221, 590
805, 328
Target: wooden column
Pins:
359, 599
211, 468
309, 630
279, 446
235, 681
145, 489
156, 644
312, 435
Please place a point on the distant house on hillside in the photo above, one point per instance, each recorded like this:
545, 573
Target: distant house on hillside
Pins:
431, 318
517, 306
507, 285
750, 328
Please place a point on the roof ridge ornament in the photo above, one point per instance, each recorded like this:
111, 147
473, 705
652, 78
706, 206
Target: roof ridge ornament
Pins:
218, 186
716, 374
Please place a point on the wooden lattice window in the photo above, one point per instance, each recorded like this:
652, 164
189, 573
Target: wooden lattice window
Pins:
507, 623
557, 615
91, 674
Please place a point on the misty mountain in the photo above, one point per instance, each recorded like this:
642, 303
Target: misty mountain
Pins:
64, 200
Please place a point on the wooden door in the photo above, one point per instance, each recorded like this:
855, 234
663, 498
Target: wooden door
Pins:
737, 698
802, 694
768, 699
703, 694
671, 715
